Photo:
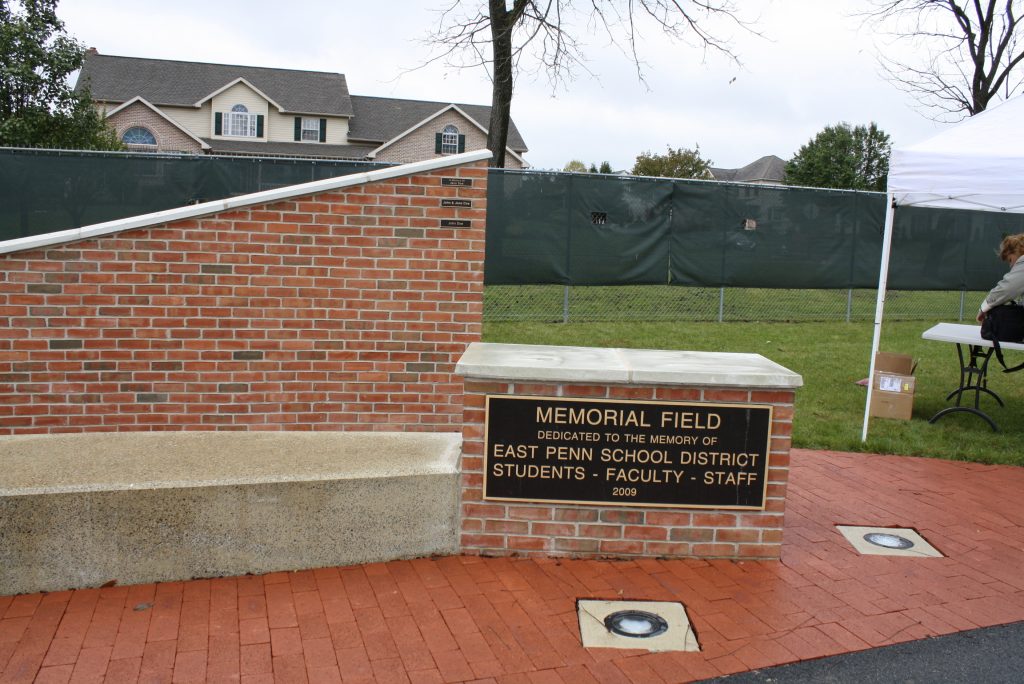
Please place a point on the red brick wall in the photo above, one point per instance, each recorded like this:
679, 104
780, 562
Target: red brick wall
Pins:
343, 310
543, 529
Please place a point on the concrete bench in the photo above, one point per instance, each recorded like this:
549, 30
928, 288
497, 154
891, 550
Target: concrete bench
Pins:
79, 510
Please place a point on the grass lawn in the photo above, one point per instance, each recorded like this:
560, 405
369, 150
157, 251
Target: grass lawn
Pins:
831, 357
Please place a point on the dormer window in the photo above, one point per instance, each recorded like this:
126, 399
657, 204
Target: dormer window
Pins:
238, 123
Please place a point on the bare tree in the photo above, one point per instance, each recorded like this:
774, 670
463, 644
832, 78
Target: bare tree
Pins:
966, 51
509, 36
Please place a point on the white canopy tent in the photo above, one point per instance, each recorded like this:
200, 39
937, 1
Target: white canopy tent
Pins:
977, 164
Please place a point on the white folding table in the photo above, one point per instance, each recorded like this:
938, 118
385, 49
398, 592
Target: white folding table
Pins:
974, 354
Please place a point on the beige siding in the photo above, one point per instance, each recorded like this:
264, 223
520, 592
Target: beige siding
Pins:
419, 144
243, 95
198, 122
168, 137
281, 128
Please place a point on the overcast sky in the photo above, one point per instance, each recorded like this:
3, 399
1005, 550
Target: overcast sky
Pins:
815, 66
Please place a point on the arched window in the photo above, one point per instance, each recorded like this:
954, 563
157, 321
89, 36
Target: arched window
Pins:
449, 140
138, 135
240, 123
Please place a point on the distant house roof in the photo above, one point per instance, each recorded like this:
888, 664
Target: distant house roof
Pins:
379, 119
768, 169
184, 84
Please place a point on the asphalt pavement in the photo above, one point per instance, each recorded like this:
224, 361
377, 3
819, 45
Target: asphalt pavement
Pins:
981, 656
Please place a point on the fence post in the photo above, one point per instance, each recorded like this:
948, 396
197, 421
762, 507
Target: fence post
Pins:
849, 304
721, 304
963, 295
565, 304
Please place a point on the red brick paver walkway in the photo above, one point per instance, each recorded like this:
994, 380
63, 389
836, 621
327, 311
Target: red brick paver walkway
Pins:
514, 620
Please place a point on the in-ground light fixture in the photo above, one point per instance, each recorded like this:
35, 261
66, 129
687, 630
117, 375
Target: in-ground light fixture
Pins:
888, 541
643, 625
637, 624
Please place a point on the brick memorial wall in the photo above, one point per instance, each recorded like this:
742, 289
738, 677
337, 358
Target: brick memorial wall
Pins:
340, 310
356, 304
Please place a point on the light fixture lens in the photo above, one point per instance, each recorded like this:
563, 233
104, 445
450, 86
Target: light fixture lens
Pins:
637, 624
889, 541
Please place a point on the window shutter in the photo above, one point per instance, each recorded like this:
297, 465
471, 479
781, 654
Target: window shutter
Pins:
437, 143
298, 128
259, 126
323, 130
462, 143
218, 124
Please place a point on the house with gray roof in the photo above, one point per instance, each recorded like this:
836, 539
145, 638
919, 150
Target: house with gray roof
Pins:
198, 108
768, 170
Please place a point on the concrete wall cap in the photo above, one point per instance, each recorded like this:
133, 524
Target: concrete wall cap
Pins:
524, 362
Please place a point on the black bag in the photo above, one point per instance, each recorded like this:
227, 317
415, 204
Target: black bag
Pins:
1004, 323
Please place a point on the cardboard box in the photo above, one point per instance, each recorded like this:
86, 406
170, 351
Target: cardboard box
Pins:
892, 393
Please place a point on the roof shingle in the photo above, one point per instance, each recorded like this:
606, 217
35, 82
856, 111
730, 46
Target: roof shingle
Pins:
183, 84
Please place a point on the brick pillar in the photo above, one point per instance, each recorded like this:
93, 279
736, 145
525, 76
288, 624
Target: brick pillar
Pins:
598, 531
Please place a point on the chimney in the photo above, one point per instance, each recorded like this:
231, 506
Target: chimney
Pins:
92, 51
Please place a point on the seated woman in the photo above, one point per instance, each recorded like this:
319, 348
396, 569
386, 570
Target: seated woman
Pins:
1011, 287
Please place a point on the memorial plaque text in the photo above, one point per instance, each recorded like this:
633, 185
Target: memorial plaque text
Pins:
629, 453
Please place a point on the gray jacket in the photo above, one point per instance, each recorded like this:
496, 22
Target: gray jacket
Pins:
1011, 287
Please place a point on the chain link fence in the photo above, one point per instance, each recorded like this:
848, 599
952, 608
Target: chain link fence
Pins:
582, 304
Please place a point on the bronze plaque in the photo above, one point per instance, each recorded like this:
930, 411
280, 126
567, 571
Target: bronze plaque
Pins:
627, 453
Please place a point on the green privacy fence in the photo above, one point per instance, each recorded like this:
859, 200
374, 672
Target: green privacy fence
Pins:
569, 229
42, 191
547, 228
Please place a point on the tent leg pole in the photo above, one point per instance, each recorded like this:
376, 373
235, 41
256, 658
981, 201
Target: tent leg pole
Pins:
883, 281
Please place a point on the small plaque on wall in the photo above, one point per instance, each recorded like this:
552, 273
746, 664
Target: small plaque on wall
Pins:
457, 203
627, 453
457, 182
454, 223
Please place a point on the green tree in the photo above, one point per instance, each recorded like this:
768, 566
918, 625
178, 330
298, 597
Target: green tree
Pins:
845, 157
575, 166
605, 167
38, 107
681, 163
